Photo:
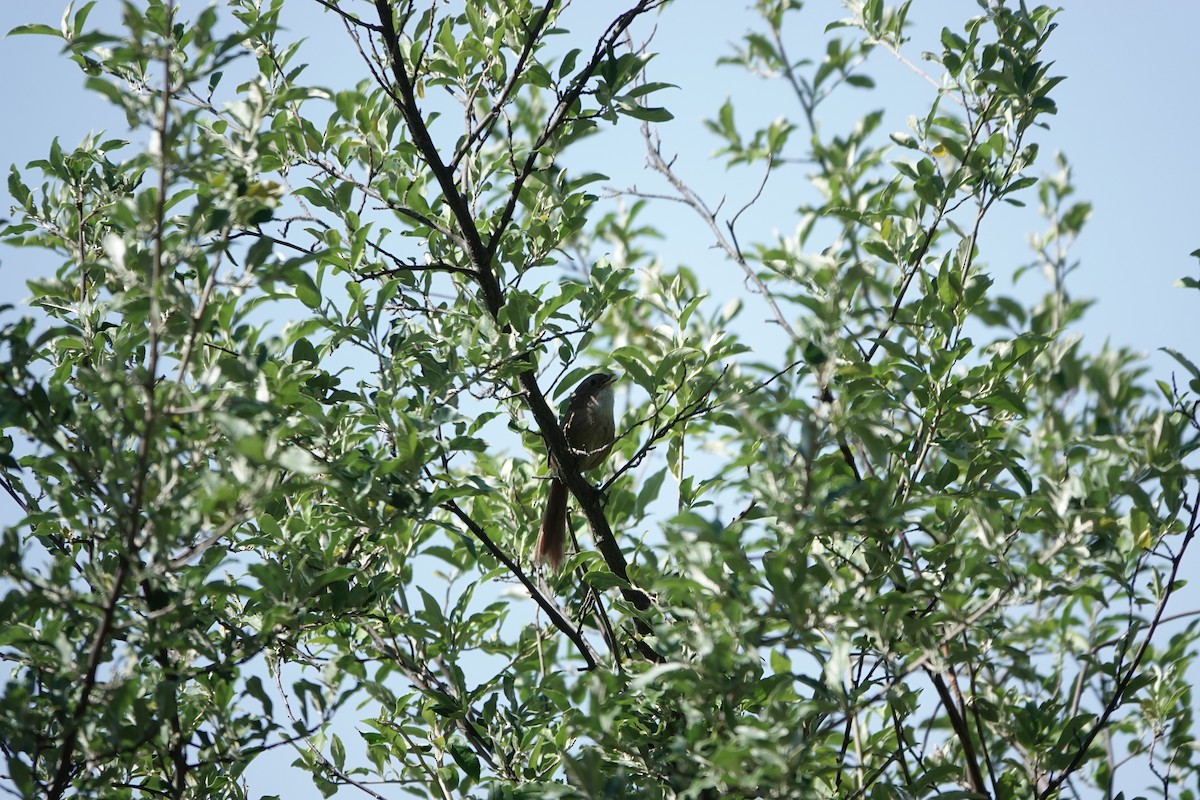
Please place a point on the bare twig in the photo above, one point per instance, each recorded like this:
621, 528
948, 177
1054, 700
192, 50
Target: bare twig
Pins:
689, 197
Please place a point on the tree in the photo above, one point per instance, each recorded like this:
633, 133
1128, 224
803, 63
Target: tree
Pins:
283, 413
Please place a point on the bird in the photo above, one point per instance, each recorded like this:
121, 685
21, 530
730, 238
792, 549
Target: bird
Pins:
589, 428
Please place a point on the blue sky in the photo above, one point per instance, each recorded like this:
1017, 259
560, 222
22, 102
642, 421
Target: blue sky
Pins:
1127, 120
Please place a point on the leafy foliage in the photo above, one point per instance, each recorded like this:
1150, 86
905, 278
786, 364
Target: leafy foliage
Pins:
280, 415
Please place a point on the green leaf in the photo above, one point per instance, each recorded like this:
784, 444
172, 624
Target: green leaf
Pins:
306, 289
644, 113
465, 757
40, 30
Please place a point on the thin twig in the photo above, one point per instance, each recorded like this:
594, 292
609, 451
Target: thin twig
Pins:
312, 748
590, 656
1118, 695
70, 735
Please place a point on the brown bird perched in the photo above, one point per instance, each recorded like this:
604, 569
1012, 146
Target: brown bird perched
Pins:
589, 428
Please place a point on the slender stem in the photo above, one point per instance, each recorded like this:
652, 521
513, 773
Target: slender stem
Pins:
590, 656
134, 523
1118, 695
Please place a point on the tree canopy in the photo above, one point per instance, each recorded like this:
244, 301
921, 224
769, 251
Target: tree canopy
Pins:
276, 428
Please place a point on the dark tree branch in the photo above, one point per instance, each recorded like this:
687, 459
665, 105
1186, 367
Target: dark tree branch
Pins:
954, 712
590, 656
481, 258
